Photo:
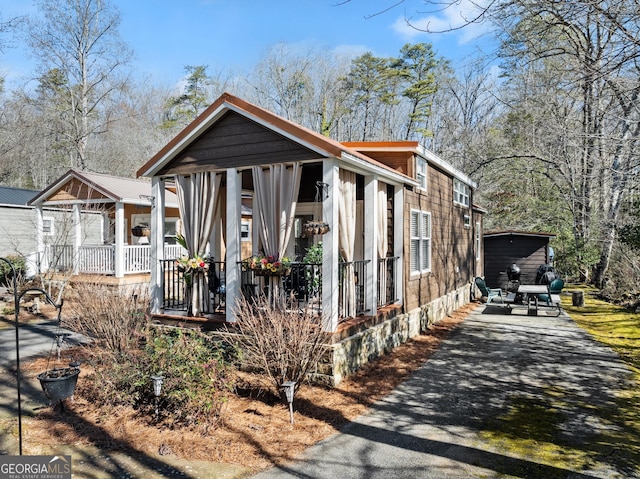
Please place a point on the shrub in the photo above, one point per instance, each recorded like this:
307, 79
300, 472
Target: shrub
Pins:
107, 315
19, 264
283, 343
197, 371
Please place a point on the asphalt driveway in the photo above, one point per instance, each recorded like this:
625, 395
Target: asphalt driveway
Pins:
494, 365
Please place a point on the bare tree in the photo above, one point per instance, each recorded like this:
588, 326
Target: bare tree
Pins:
79, 40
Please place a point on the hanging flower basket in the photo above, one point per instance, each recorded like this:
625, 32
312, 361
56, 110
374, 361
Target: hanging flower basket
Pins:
268, 265
141, 230
316, 228
59, 384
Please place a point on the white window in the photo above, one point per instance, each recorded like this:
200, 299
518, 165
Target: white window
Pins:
461, 192
420, 241
467, 221
48, 228
478, 242
245, 231
421, 172
170, 230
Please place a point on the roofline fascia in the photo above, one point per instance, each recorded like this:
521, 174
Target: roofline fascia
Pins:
366, 168
444, 165
520, 233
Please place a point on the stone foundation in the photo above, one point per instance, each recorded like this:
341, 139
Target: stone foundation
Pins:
349, 354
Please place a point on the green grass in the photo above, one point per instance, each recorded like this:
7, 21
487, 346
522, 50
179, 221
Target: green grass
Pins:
531, 425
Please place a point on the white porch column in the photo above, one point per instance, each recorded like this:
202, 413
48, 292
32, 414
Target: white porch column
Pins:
330, 253
156, 244
42, 258
76, 226
371, 242
234, 248
119, 243
398, 239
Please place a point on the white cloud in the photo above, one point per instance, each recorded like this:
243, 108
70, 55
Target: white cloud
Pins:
457, 15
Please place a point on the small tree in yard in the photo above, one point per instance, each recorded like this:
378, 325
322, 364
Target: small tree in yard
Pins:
283, 343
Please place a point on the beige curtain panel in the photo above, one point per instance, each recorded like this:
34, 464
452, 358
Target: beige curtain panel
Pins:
346, 237
276, 195
197, 196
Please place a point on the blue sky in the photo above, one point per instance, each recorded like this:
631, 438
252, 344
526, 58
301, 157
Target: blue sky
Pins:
167, 35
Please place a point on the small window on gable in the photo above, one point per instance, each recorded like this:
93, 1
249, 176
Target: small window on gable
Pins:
245, 231
461, 192
421, 172
48, 228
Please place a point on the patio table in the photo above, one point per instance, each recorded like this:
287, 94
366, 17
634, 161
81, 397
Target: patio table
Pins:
531, 292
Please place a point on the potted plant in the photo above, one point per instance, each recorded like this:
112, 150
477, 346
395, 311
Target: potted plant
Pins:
59, 383
268, 265
141, 229
316, 228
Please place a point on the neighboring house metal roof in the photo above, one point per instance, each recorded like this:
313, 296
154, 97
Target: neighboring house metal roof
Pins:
16, 196
324, 146
114, 188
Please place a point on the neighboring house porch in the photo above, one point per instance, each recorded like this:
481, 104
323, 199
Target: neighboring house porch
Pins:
105, 227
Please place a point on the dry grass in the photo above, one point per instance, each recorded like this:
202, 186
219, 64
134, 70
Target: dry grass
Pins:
255, 431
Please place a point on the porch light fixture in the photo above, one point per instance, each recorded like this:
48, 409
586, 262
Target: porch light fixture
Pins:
157, 389
289, 388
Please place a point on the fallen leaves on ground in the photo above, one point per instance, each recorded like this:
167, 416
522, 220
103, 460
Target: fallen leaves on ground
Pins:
254, 430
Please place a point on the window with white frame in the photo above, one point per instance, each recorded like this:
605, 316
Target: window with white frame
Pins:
48, 228
421, 172
420, 241
467, 221
461, 192
245, 231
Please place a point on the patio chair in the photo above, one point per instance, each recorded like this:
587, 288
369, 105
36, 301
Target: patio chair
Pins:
489, 293
555, 288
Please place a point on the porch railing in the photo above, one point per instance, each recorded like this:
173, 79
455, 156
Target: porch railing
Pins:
100, 259
387, 292
361, 279
303, 285
173, 285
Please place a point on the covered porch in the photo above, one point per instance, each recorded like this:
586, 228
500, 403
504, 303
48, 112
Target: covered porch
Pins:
237, 154
101, 227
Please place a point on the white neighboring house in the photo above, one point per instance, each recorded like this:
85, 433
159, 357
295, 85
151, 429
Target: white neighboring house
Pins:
103, 216
18, 226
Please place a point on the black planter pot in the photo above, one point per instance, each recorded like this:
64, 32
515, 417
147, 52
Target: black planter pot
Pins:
140, 231
59, 384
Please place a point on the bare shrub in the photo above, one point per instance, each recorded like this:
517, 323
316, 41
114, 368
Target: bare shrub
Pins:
283, 343
109, 316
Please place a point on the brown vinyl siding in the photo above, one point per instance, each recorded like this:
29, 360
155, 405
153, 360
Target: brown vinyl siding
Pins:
235, 142
453, 263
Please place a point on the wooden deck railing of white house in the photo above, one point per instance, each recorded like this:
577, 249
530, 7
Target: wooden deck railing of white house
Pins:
100, 259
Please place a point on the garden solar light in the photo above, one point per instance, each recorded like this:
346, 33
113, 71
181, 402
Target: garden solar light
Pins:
157, 389
157, 384
289, 388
